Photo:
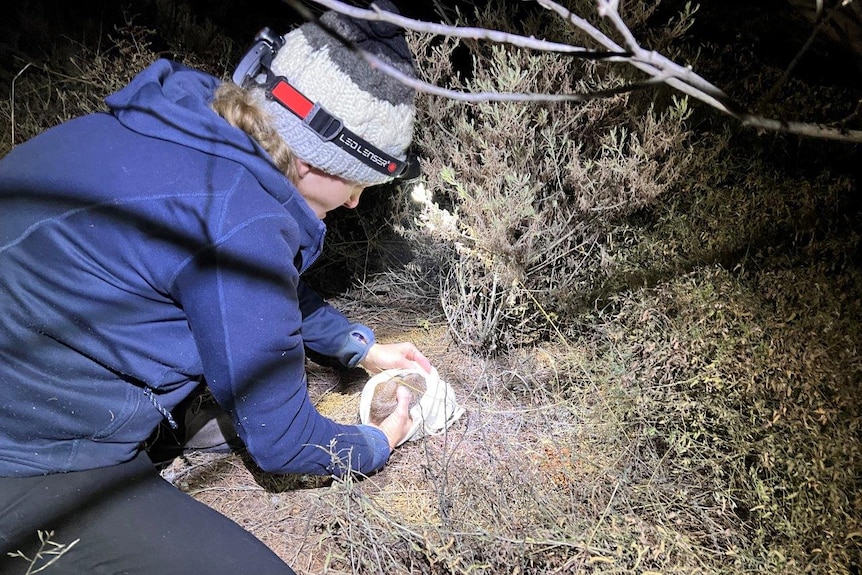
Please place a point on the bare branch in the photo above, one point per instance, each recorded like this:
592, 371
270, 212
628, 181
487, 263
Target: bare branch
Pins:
659, 68
376, 14
821, 131
428, 88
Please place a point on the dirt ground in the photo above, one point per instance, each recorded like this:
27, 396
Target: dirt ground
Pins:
286, 512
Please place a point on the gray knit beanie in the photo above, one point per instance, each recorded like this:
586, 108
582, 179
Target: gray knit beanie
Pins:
370, 103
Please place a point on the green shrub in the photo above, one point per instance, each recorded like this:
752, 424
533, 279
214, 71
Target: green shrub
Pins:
523, 198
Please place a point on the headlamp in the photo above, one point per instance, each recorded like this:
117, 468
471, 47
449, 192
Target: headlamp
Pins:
329, 128
411, 170
259, 57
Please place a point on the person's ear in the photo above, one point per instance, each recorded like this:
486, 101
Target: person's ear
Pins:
302, 168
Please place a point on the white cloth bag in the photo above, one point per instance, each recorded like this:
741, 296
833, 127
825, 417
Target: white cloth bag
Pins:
436, 410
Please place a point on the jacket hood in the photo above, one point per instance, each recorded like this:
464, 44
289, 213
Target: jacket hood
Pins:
170, 101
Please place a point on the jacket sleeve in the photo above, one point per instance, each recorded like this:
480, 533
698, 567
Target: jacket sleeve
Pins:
243, 309
326, 331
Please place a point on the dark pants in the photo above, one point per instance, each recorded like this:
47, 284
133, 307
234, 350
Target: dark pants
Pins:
127, 520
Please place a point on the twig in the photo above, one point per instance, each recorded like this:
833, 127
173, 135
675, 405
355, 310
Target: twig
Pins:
606, 512
47, 548
225, 489
12, 98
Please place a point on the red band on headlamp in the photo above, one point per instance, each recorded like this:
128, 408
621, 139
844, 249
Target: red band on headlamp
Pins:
292, 99
331, 129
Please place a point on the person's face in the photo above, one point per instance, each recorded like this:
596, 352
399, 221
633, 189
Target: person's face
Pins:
325, 192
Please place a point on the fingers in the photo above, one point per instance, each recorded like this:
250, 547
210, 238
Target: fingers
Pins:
402, 355
420, 360
397, 425
412, 354
403, 396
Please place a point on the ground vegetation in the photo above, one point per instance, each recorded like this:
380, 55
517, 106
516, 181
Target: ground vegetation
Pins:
651, 314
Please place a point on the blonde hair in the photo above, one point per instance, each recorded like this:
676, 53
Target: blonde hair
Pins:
236, 105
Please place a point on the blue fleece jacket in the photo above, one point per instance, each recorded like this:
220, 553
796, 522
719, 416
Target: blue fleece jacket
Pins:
147, 247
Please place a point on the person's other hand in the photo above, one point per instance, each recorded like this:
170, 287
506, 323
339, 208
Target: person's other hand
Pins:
398, 424
403, 355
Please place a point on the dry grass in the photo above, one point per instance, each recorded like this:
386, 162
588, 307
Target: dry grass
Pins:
695, 427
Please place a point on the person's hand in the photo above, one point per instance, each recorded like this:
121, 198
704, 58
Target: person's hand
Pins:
399, 422
404, 355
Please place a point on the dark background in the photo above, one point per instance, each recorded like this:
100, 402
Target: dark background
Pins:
31, 29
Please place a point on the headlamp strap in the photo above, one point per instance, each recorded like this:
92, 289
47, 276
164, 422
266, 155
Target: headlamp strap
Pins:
331, 129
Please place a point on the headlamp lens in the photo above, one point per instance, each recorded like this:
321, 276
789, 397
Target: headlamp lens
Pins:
412, 169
